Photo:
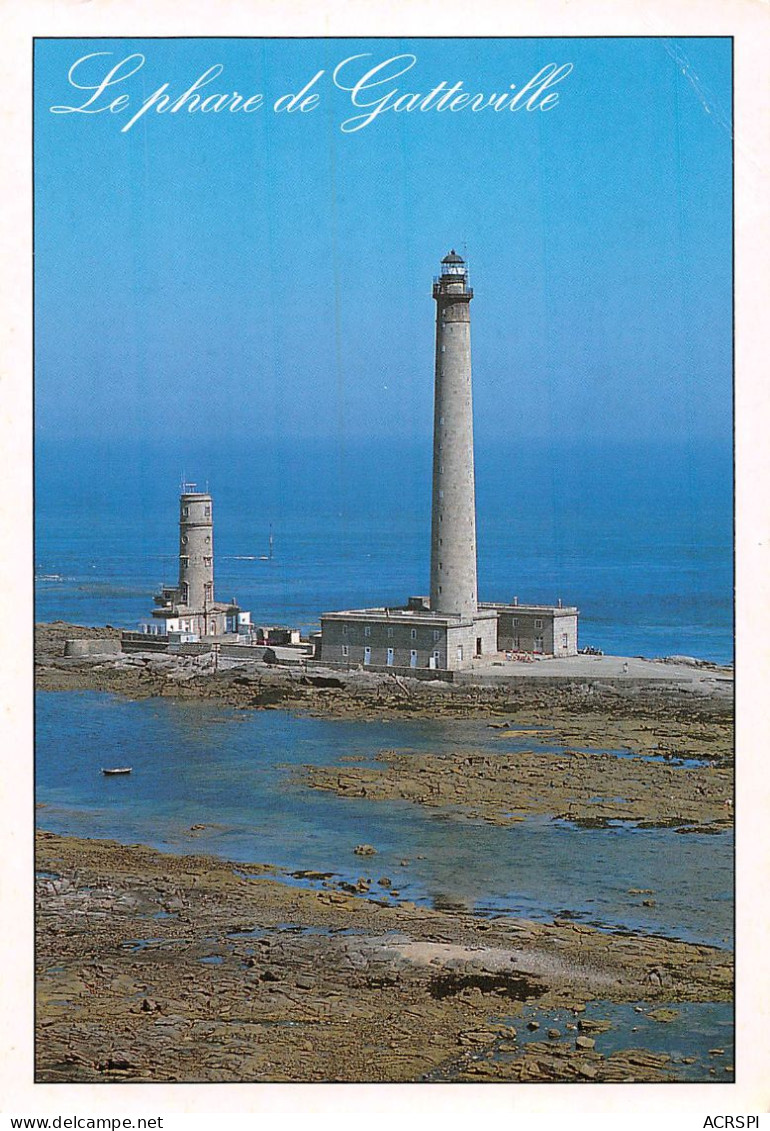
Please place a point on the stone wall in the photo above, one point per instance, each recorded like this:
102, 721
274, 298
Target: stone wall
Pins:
537, 630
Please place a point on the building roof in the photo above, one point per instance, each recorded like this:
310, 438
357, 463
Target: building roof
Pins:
407, 616
556, 610
453, 257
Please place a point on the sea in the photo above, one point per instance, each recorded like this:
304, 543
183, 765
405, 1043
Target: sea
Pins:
638, 536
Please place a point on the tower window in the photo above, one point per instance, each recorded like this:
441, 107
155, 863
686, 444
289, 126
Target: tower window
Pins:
207, 561
367, 630
538, 624
207, 511
184, 562
185, 511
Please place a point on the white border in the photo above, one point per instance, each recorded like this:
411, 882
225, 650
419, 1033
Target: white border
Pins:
749, 22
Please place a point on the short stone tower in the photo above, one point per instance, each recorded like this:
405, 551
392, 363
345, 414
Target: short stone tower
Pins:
453, 579
196, 549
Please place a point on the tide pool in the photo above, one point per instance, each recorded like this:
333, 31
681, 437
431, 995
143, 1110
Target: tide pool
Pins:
238, 773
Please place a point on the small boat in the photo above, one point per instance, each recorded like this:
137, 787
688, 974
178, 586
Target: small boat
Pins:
118, 770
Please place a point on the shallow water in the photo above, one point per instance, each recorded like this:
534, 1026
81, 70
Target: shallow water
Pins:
233, 771
701, 1032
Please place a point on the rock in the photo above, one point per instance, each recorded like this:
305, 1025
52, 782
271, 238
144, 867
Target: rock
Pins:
385, 882
533, 1025
554, 1034
365, 850
588, 1070
270, 975
304, 982
585, 1043
119, 1060
664, 1015
149, 1006
716, 1052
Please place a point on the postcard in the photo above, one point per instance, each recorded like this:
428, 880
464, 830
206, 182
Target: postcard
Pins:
384, 447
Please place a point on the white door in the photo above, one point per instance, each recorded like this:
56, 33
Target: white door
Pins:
390, 657
413, 658
367, 655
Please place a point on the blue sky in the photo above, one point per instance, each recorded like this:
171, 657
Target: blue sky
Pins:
210, 275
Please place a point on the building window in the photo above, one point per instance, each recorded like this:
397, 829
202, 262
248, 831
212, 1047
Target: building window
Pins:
390, 634
515, 622
538, 644
207, 561
516, 642
183, 592
367, 630
440, 566
436, 634
185, 511
413, 634
538, 624
345, 651
460, 653
207, 512
208, 539
564, 640
184, 562
184, 539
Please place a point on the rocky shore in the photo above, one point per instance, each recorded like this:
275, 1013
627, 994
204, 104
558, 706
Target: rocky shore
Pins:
676, 704
188, 968
586, 787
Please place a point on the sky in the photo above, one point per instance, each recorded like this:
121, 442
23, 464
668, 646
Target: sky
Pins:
269, 274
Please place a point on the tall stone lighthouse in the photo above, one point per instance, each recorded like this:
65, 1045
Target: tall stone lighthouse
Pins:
449, 629
453, 582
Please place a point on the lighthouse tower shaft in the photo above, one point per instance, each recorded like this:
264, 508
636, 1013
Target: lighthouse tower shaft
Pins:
453, 579
196, 551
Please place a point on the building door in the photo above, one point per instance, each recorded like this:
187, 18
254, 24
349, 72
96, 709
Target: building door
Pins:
413, 658
390, 658
478, 645
367, 655
434, 659
538, 643
459, 653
